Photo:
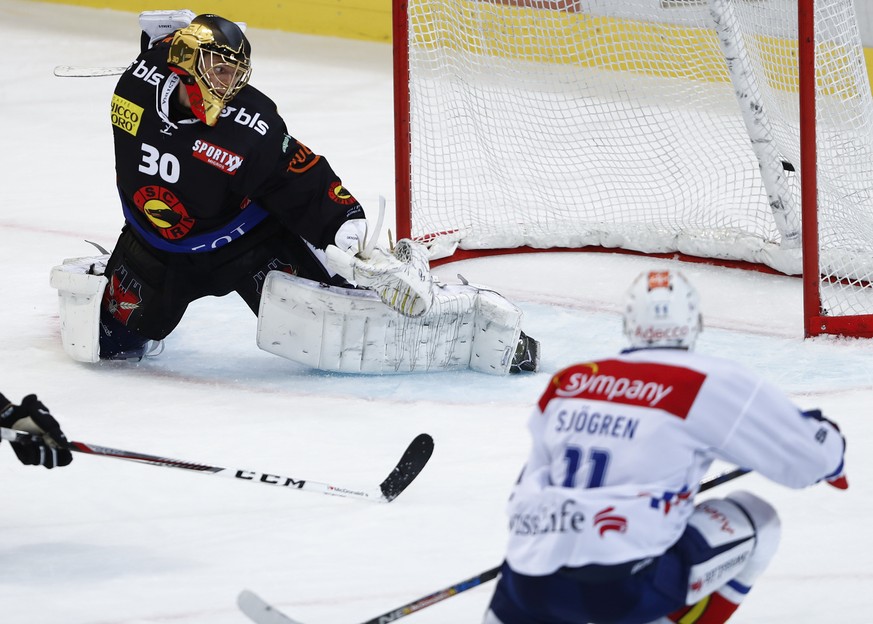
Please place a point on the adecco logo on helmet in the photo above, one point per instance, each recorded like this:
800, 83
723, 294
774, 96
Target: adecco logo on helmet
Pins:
675, 332
126, 115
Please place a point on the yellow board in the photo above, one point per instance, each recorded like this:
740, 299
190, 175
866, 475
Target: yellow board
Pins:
368, 20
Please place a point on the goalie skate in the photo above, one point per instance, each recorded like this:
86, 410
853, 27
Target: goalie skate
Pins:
527, 355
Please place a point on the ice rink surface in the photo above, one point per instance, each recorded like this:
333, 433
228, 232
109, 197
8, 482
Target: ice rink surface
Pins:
112, 542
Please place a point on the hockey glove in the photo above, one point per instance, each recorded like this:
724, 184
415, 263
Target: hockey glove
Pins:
838, 478
159, 24
48, 447
402, 278
351, 235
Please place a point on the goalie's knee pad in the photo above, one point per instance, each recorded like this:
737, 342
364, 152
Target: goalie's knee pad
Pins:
722, 546
768, 531
741, 534
80, 284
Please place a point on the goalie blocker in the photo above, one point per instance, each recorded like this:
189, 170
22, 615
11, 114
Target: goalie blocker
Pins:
338, 329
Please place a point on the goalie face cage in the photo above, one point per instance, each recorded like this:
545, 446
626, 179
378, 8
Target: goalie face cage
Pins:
650, 126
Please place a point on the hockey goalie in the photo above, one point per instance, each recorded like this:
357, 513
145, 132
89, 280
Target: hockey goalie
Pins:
399, 318
219, 198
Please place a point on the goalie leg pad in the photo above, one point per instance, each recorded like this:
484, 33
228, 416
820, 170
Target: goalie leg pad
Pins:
352, 331
768, 533
727, 541
80, 284
497, 332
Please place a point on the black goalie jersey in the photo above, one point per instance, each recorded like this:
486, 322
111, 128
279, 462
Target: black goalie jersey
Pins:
190, 188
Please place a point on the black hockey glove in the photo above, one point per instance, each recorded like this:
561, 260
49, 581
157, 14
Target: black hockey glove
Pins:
48, 447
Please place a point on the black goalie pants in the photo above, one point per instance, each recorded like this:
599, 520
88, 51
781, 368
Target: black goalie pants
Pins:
150, 289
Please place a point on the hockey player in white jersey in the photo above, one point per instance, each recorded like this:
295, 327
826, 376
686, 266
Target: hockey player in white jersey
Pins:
603, 524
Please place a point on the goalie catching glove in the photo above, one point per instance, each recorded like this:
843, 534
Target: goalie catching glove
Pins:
48, 447
401, 278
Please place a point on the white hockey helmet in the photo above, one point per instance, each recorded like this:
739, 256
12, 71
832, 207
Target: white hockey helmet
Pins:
662, 310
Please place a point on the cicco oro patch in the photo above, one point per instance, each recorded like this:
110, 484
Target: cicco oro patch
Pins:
126, 115
164, 211
338, 193
218, 157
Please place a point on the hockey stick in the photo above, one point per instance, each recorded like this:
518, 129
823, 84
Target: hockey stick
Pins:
410, 465
261, 612
69, 71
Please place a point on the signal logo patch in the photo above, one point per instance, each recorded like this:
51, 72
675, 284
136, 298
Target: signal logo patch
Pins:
340, 195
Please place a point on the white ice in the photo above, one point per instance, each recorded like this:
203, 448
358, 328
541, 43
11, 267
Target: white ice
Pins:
110, 542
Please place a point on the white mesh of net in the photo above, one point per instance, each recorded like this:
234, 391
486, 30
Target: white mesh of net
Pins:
615, 123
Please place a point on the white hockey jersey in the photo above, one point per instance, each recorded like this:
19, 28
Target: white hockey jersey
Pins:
620, 447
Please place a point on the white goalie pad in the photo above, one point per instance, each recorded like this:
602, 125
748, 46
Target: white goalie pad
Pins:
352, 331
80, 284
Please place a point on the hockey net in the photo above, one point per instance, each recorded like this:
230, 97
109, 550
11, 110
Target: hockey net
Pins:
654, 126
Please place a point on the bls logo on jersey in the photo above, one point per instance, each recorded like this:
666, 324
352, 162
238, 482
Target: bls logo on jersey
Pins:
126, 115
147, 73
247, 119
164, 211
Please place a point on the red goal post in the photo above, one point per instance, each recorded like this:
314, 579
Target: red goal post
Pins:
671, 128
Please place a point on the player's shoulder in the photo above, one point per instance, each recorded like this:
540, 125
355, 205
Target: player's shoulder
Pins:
250, 123
643, 380
253, 109
149, 69
711, 366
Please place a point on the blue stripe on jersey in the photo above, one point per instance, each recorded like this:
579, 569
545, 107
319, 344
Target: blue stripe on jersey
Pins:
244, 222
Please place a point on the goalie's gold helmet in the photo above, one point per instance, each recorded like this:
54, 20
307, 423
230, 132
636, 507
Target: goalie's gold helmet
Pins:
213, 59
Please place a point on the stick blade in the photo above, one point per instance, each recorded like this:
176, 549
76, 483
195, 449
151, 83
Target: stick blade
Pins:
259, 610
413, 461
69, 71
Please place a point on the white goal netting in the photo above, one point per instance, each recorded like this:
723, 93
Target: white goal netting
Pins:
649, 125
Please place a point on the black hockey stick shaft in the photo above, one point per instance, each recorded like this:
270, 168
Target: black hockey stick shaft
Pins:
491, 574
410, 465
